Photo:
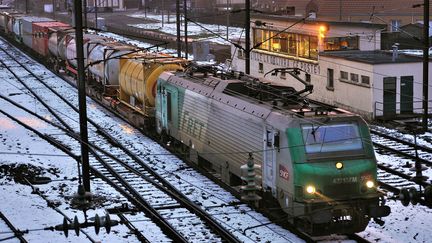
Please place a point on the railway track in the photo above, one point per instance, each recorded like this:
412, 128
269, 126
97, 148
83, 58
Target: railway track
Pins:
399, 176
16, 233
154, 195
122, 166
405, 153
402, 147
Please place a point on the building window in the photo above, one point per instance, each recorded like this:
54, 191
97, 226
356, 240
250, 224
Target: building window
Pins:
261, 37
240, 54
354, 77
260, 67
290, 10
365, 80
395, 24
343, 75
291, 44
341, 43
307, 77
330, 79
283, 75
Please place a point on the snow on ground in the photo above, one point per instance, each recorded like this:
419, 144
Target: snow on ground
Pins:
404, 224
20, 146
198, 31
28, 211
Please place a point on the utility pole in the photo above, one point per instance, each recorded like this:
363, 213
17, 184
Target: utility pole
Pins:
178, 28
247, 31
53, 6
185, 28
84, 2
145, 9
228, 18
163, 9
96, 12
82, 95
425, 64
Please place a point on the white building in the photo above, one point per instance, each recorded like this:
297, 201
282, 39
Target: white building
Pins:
341, 60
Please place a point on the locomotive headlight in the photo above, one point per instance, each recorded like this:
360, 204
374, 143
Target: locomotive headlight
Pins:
310, 189
339, 165
370, 184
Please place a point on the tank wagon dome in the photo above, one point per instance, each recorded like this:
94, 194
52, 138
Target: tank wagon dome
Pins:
139, 73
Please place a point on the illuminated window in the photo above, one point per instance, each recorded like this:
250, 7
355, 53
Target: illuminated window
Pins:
287, 43
341, 43
303, 46
260, 37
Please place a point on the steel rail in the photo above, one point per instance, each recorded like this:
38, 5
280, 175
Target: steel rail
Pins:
17, 233
32, 92
404, 176
136, 199
52, 142
403, 141
402, 153
183, 200
223, 232
132, 228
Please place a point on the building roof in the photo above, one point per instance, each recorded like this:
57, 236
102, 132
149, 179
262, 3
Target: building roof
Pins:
367, 7
371, 57
309, 20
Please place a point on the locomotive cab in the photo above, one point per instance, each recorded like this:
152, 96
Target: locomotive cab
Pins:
335, 179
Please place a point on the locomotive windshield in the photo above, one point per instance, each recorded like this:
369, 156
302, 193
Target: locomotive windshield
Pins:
331, 138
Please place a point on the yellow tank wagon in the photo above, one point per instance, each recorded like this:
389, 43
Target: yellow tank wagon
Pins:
138, 77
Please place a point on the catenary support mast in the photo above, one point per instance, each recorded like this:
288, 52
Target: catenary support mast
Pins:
425, 64
247, 32
82, 95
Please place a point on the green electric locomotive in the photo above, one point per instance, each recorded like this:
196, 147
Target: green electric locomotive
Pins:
317, 162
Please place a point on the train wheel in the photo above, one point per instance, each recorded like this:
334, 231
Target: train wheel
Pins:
404, 196
415, 196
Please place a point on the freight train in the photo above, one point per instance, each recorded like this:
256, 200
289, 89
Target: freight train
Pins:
316, 162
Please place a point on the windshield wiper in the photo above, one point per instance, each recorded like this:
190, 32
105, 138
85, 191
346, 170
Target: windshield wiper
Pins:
316, 129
